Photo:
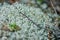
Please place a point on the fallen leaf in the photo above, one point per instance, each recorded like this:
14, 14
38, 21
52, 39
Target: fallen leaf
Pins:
12, 1
4, 27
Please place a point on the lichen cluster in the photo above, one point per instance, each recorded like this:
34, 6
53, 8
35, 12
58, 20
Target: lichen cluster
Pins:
23, 15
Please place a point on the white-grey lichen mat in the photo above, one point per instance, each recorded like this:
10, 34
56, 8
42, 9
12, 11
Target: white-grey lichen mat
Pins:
29, 31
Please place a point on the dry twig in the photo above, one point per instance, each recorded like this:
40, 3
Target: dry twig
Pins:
51, 1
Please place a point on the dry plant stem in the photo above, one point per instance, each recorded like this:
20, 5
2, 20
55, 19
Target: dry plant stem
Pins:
49, 34
29, 19
53, 5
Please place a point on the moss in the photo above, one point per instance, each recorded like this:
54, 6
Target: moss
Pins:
41, 1
14, 27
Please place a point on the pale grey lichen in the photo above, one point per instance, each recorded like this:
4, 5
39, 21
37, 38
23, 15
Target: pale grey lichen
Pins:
29, 31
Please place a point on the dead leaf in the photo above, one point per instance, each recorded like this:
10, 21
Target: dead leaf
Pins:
17, 28
12, 1
4, 27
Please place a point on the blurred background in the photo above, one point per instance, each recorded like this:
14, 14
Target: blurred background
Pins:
54, 4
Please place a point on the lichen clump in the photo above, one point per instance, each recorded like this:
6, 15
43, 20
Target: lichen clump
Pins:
29, 31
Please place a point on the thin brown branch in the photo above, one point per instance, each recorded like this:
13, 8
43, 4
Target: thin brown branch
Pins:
53, 5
